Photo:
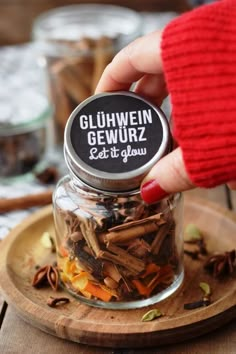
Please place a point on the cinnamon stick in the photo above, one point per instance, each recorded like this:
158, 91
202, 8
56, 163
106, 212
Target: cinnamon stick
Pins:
83, 69
157, 218
131, 233
85, 44
159, 238
62, 104
87, 229
134, 262
134, 229
67, 73
25, 202
103, 54
133, 266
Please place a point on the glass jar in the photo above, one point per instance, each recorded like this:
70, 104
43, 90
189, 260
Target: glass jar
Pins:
115, 251
77, 43
23, 132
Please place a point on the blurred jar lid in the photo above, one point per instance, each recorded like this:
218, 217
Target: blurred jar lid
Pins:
72, 23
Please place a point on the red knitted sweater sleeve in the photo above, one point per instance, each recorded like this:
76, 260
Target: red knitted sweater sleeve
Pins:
199, 58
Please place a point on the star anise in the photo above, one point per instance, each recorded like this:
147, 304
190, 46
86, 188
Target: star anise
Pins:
46, 275
221, 264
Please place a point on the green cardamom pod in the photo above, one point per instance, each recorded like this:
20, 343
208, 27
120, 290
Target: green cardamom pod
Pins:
192, 233
205, 288
151, 315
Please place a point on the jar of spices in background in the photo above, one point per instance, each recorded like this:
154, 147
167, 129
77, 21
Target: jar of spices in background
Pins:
113, 250
78, 42
24, 115
23, 132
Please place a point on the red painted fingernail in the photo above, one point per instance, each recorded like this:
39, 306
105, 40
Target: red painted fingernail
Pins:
152, 192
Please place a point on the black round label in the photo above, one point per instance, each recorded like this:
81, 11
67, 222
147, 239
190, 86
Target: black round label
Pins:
116, 133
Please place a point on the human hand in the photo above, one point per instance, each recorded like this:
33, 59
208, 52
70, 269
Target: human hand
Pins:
141, 62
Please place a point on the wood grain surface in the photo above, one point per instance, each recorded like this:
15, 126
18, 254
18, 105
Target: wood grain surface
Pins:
78, 322
216, 195
27, 339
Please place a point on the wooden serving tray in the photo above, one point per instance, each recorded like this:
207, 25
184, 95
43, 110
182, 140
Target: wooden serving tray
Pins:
22, 250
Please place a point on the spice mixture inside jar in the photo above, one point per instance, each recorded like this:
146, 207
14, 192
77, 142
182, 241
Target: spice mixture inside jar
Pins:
114, 250
78, 42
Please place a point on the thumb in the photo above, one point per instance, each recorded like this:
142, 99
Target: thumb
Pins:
168, 176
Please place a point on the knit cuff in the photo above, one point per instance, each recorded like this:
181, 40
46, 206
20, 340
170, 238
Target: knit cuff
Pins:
199, 58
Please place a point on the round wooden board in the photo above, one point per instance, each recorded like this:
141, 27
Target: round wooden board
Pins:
22, 250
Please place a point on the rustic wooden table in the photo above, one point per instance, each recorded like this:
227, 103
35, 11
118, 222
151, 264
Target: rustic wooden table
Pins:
17, 336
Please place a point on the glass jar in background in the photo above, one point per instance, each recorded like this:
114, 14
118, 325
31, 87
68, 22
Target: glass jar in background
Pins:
78, 42
23, 131
114, 250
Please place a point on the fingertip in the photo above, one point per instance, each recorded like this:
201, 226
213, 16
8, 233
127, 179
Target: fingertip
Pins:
152, 192
168, 176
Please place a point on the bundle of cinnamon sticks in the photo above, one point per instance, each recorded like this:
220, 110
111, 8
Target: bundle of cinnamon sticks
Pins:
128, 251
74, 76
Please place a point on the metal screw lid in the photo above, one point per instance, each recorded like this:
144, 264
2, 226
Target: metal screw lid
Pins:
113, 139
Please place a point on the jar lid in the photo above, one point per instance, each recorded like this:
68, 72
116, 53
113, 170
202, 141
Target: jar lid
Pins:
113, 139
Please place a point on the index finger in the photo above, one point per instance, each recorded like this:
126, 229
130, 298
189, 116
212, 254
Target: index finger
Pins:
143, 56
